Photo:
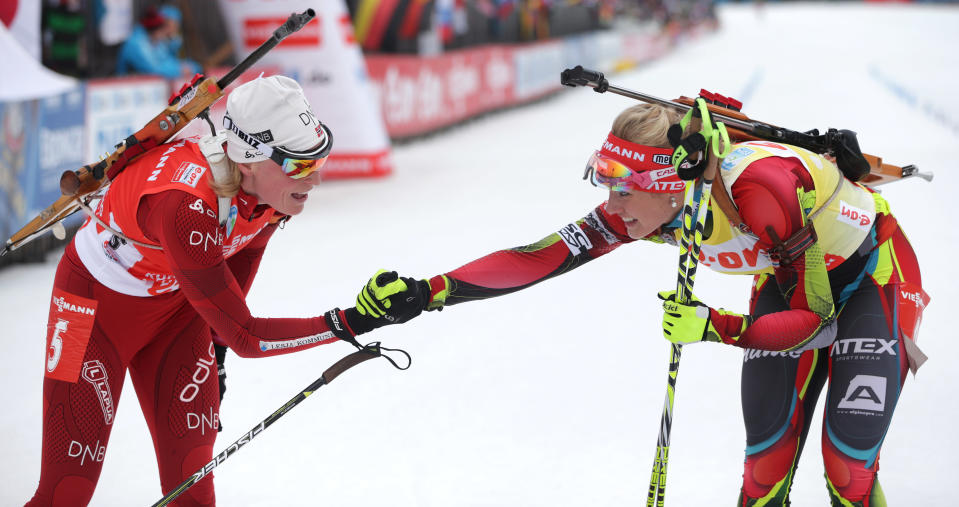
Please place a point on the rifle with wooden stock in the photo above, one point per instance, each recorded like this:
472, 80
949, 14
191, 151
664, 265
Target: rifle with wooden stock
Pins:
867, 169
840, 144
192, 101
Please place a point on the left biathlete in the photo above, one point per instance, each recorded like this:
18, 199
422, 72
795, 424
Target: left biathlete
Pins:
837, 292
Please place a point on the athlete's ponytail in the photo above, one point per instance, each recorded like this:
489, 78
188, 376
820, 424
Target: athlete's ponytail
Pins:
231, 186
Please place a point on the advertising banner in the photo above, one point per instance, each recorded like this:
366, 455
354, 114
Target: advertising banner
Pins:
418, 95
325, 59
116, 108
584, 49
60, 145
642, 46
18, 139
537, 68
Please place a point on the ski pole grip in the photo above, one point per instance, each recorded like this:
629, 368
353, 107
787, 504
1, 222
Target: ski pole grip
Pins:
364, 354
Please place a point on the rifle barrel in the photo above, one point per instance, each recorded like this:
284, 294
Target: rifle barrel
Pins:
293, 23
745, 126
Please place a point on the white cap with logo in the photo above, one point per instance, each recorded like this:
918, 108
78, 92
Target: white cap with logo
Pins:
273, 111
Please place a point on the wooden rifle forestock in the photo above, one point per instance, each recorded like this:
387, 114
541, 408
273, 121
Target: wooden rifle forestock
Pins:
78, 184
187, 105
156, 132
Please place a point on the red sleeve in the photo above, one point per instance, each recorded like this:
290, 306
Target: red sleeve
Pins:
244, 265
510, 270
246, 262
209, 285
767, 194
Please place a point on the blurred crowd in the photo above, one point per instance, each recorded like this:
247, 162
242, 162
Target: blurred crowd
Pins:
101, 38
104, 38
430, 26
154, 46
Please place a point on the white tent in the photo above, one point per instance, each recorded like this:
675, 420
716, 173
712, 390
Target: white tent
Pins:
28, 79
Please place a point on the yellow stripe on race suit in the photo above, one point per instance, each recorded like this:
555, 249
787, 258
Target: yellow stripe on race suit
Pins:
805, 384
817, 288
886, 262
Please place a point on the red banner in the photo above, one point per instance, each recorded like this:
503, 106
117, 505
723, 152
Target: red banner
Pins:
257, 30
418, 95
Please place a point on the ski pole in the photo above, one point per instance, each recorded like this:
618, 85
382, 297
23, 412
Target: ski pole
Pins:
689, 248
367, 352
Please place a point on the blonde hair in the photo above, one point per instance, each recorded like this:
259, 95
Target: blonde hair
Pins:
231, 186
645, 124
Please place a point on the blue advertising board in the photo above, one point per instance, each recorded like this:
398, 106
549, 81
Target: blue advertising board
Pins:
60, 146
39, 139
18, 153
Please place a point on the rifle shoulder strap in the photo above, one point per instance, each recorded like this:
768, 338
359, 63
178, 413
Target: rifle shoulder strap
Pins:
212, 148
85, 206
720, 196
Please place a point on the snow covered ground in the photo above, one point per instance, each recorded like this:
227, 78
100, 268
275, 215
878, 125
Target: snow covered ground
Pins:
551, 396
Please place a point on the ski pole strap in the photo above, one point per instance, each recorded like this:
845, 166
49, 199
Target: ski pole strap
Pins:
721, 135
366, 352
699, 142
409, 360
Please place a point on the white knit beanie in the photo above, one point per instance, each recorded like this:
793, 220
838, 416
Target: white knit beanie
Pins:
274, 111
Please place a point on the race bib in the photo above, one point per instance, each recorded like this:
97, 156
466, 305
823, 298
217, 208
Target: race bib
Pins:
68, 331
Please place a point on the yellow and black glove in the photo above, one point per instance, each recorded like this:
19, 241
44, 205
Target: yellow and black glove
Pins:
692, 322
439, 287
392, 298
385, 299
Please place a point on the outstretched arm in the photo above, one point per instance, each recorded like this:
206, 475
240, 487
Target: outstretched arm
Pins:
510, 270
208, 283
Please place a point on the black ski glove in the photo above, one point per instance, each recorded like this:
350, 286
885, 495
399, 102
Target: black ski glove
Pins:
220, 352
397, 300
385, 299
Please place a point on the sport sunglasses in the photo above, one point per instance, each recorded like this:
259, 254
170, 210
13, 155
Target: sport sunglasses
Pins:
295, 164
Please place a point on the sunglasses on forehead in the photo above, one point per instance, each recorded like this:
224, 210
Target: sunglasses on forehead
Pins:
294, 164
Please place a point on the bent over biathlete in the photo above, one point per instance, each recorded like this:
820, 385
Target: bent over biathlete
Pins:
157, 270
837, 294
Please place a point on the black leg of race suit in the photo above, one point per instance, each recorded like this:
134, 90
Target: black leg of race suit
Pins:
775, 386
865, 368
868, 367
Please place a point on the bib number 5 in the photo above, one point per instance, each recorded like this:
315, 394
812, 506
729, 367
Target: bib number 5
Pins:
56, 345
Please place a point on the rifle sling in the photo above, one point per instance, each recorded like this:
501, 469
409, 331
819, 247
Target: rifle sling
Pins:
721, 197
